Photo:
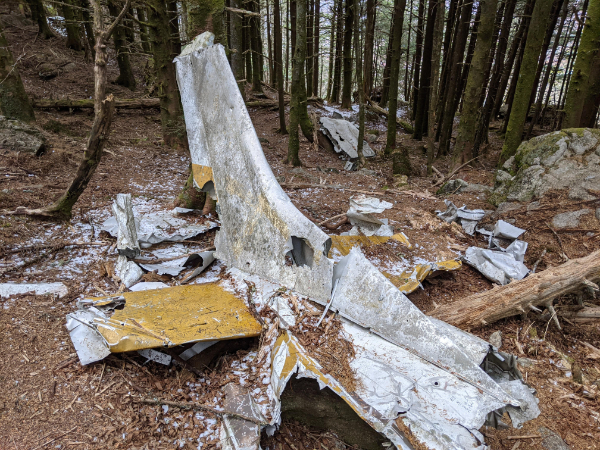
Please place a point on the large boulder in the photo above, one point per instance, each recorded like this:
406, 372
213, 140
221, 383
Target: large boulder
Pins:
567, 159
19, 136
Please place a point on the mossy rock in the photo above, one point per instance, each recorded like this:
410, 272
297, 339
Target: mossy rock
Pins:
563, 160
19, 136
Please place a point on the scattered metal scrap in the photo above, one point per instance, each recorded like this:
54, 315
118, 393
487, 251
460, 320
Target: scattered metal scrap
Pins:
9, 289
360, 215
467, 218
343, 135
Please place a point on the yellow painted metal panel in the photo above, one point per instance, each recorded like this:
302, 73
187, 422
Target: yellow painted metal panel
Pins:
202, 174
175, 316
344, 244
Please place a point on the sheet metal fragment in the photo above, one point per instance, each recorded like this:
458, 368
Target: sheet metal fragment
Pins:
499, 267
158, 357
505, 230
344, 137
8, 289
238, 433
127, 240
128, 271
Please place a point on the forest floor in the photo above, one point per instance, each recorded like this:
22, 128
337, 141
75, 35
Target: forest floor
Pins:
47, 399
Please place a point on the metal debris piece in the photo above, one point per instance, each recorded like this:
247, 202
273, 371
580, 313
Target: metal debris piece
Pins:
238, 433
344, 243
497, 266
164, 318
505, 230
344, 137
128, 271
176, 266
8, 289
127, 240
360, 214
164, 226
281, 306
467, 218
89, 345
409, 280
522, 392
366, 297
260, 227
148, 285
517, 249
196, 348
153, 355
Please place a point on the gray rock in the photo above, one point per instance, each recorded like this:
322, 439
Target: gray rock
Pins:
533, 206
569, 219
496, 339
69, 67
47, 71
368, 172
598, 213
478, 188
337, 115
562, 160
370, 138
505, 207
453, 187
551, 440
19, 136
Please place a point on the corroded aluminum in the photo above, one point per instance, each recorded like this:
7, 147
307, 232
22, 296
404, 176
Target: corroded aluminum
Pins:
344, 137
127, 239
365, 296
259, 223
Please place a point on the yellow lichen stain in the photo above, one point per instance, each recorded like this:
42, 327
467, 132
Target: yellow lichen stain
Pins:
202, 175
269, 212
175, 316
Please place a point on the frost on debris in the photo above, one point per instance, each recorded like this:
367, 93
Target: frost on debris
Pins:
343, 135
8, 289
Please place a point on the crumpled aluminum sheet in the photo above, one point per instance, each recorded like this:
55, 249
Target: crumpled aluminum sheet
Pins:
127, 240
365, 296
163, 226
360, 216
468, 218
176, 266
524, 393
128, 271
89, 345
505, 230
259, 223
499, 267
237, 433
8, 289
344, 137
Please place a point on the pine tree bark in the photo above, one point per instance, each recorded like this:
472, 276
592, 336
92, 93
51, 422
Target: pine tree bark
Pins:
72, 27
407, 52
309, 46
385, 89
418, 56
143, 19
278, 64
237, 46
317, 49
423, 93
88, 27
486, 114
399, 7
337, 66
165, 47
256, 50
454, 72
463, 149
468, 59
348, 25
435, 75
526, 78
14, 103
297, 81
39, 14
272, 71
369, 39
360, 83
583, 76
125, 77
331, 49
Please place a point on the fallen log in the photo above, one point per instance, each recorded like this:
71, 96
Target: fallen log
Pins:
379, 110
589, 314
275, 104
521, 296
66, 103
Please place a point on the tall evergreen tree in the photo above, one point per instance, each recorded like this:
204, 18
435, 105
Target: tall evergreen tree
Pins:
526, 78
39, 15
125, 77
348, 25
278, 64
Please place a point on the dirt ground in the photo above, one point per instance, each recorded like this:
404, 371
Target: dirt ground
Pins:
48, 400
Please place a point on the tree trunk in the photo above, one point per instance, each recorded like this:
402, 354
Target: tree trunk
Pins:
331, 49
293, 26
369, 39
485, 116
66, 103
278, 65
407, 64
519, 296
510, 95
143, 18
125, 77
72, 27
423, 93
337, 66
526, 78
309, 46
399, 6
39, 15
237, 46
458, 50
14, 103
538, 105
583, 75
272, 71
360, 84
317, 49
297, 81
450, 31
88, 27
256, 50
347, 87
385, 89
435, 74
468, 59
463, 149
164, 48
418, 56
287, 41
